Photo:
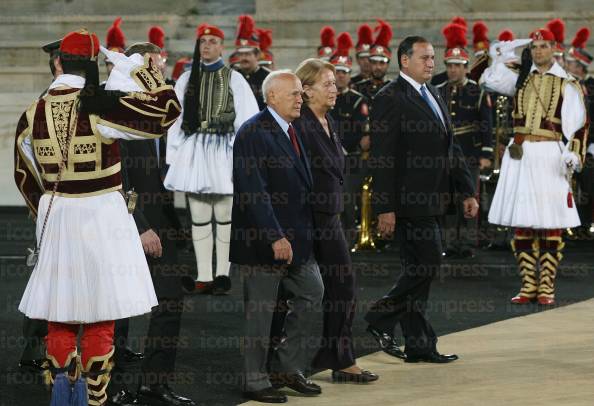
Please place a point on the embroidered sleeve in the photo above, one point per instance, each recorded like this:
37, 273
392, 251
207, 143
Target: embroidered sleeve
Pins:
26, 174
144, 114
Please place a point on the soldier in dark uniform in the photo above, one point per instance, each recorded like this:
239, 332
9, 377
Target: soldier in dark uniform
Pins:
350, 114
327, 43
577, 62
480, 44
266, 58
442, 76
379, 57
364, 42
470, 111
248, 52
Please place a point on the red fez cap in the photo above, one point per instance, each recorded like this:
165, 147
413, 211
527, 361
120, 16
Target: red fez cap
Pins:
207, 29
542, 34
81, 43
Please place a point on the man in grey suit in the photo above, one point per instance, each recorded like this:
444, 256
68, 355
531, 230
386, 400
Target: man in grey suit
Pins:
271, 241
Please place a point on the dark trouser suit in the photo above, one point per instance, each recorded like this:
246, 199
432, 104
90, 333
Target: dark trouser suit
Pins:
406, 302
333, 257
162, 337
161, 342
585, 203
303, 289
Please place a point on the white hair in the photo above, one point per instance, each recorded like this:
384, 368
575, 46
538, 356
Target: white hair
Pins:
271, 78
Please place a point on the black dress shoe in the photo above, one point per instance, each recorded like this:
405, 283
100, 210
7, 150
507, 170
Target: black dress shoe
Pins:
162, 395
433, 357
387, 343
131, 356
297, 382
266, 395
124, 398
344, 377
33, 365
221, 285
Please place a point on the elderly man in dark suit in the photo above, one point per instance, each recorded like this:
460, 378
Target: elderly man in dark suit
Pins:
417, 165
271, 240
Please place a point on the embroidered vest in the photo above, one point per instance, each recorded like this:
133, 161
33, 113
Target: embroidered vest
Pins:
93, 165
217, 111
538, 104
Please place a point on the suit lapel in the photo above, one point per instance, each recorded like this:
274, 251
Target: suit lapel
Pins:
416, 98
304, 161
283, 141
444, 112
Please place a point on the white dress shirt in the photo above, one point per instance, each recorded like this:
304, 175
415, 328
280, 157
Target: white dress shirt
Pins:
281, 121
417, 87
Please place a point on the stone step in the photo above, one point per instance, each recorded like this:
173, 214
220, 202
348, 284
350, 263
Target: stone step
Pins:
94, 7
46, 28
299, 24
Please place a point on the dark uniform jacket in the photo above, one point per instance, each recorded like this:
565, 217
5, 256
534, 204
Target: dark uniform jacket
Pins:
588, 86
255, 81
370, 87
356, 79
470, 112
350, 115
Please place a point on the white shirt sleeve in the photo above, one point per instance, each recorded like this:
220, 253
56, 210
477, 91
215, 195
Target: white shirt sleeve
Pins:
573, 111
121, 79
244, 101
175, 135
27, 150
500, 79
113, 133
